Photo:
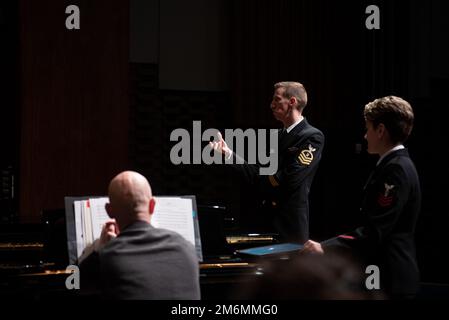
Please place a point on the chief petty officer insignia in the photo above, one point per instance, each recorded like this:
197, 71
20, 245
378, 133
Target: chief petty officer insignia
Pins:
306, 156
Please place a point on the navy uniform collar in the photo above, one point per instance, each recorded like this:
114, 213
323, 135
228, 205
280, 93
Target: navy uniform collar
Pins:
385, 160
391, 155
287, 138
299, 127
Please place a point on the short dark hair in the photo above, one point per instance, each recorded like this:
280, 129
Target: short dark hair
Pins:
394, 113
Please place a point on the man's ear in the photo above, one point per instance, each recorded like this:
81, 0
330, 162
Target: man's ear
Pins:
293, 101
381, 130
152, 205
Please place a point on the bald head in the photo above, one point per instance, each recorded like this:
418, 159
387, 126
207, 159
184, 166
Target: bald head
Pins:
130, 198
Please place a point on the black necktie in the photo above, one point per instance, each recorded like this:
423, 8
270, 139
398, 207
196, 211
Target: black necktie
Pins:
282, 134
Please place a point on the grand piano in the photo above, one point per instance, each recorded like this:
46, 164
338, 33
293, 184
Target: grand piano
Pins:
34, 258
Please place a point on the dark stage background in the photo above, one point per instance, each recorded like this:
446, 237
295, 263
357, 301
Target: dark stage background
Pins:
79, 106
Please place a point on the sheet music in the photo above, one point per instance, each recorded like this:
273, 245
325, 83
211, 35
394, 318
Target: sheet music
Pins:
88, 236
79, 229
172, 213
175, 214
99, 215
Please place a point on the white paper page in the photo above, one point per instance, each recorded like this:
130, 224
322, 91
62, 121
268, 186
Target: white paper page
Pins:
79, 228
88, 222
83, 224
175, 214
99, 215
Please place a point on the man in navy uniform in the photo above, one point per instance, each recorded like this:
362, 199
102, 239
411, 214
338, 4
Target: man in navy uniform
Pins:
286, 193
391, 202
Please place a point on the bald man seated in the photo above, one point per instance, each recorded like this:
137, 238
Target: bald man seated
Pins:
134, 260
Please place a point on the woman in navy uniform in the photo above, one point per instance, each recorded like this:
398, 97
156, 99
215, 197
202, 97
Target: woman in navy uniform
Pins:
391, 202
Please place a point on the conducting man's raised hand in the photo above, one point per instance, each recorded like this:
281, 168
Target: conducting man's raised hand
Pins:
221, 146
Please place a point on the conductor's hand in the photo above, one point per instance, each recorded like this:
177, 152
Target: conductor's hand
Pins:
312, 247
110, 231
221, 146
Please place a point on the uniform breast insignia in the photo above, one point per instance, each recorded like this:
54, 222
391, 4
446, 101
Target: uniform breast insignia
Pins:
306, 156
386, 199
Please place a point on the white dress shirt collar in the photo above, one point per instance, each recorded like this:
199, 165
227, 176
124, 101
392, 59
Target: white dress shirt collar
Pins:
398, 147
294, 125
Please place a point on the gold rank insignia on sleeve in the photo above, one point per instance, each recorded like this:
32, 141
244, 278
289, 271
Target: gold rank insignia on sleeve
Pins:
306, 156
